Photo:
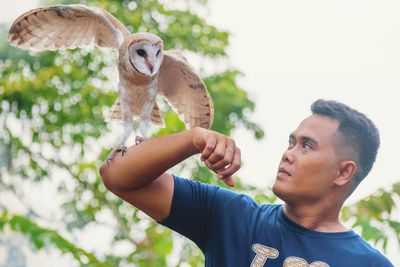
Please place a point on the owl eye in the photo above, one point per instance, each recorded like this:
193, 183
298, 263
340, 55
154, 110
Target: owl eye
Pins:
141, 52
158, 52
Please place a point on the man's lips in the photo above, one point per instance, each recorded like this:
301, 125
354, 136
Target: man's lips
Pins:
283, 172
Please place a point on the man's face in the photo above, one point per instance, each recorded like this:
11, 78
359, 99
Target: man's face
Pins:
309, 165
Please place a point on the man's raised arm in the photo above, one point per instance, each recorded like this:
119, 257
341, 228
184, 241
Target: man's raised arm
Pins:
140, 177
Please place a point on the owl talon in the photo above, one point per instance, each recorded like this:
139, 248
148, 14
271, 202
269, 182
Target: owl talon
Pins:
138, 140
115, 151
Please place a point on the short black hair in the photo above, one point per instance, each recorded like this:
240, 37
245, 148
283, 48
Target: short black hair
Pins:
358, 133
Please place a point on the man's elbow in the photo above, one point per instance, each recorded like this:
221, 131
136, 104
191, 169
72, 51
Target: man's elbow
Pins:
117, 182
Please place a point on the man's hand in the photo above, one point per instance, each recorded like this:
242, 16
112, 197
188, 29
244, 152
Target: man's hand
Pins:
218, 152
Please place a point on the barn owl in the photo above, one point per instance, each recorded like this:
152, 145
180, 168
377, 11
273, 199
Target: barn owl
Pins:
145, 69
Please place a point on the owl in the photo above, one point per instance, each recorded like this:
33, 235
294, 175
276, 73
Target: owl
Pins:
145, 69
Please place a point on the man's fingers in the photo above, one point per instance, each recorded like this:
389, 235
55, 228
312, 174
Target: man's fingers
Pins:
234, 167
221, 155
225, 161
218, 153
229, 181
208, 149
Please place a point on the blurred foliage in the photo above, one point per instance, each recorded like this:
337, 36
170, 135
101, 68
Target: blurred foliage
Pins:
52, 130
40, 237
377, 217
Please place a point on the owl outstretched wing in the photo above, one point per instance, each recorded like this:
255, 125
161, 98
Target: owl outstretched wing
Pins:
183, 87
66, 26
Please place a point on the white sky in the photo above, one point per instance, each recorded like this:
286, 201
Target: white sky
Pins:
294, 52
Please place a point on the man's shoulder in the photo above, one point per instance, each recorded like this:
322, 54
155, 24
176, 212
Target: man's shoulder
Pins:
378, 259
370, 254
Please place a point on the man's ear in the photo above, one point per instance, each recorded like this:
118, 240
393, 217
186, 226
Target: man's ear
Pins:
346, 172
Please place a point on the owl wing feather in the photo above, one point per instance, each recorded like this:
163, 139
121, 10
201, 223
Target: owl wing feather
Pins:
185, 90
66, 26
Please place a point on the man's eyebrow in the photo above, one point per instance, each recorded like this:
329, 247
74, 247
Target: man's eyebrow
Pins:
304, 139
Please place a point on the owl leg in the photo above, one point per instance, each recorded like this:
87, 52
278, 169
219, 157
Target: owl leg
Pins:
144, 124
146, 112
145, 120
128, 128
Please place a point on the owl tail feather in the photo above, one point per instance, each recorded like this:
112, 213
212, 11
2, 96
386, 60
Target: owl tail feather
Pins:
116, 114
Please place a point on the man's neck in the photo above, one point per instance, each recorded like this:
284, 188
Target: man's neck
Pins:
322, 219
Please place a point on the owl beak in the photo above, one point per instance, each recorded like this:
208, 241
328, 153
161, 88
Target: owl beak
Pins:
150, 65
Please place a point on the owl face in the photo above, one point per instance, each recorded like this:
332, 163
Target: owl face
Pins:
146, 57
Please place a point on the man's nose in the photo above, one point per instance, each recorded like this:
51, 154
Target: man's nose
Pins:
288, 156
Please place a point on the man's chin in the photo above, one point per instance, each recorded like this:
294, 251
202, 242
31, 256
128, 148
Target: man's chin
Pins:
276, 189
279, 190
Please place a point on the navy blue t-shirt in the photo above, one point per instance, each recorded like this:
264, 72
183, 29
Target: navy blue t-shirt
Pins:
232, 230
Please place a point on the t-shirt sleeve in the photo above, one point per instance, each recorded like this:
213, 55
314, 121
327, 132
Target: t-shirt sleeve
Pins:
379, 260
194, 206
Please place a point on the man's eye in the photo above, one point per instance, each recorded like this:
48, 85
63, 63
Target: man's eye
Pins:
291, 144
307, 145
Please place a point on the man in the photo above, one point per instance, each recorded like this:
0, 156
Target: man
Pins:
328, 155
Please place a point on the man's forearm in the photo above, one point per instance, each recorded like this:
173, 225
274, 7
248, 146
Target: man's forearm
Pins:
143, 163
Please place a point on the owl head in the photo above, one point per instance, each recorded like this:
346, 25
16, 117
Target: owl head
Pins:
145, 52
